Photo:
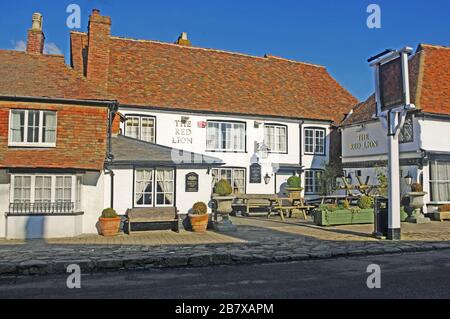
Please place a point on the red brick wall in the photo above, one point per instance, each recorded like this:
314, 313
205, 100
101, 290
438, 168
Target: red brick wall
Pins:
79, 44
80, 142
98, 49
35, 42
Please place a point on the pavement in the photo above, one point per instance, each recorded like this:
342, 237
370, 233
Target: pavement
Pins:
416, 275
258, 240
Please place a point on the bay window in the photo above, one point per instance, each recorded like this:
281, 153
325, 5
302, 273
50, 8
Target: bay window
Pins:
32, 128
154, 187
234, 176
225, 136
275, 137
440, 181
45, 193
312, 182
141, 128
314, 141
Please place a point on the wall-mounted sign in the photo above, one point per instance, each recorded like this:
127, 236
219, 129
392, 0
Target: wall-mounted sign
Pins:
191, 183
255, 174
183, 132
364, 142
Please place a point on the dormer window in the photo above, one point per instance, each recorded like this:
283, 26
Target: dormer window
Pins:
32, 128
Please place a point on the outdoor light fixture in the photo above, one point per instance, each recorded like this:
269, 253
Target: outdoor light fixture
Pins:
408, 179
267, 178
184, 119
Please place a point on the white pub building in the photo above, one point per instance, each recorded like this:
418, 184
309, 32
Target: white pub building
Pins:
424, 139
266, 118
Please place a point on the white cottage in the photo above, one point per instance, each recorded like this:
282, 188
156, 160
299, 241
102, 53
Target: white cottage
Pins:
425, 138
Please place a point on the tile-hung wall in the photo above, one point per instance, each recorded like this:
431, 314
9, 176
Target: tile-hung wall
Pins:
364, 145
234, 139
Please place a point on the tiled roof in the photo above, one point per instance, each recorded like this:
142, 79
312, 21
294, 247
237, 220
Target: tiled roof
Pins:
429, 85
23, 74
171, 76
128, 150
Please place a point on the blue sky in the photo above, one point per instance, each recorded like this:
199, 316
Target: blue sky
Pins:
326, 32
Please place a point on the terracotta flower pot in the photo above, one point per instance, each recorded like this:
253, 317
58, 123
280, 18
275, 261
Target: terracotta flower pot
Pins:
109, 226
199, 223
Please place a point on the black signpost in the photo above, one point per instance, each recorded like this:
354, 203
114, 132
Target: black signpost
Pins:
192, 183
255, 174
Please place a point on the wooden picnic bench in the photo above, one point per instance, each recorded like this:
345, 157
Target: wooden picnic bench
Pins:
245, 203
286, 206
154, 215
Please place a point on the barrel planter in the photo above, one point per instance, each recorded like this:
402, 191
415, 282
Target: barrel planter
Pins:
343, 217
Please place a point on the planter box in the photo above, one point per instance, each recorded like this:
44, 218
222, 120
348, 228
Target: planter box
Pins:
441, 216
343, 217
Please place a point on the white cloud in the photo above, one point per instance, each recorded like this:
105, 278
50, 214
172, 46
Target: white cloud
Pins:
49, 48
19, 45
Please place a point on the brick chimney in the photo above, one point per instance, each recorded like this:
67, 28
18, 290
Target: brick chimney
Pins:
183, 40
36, 38
98, 48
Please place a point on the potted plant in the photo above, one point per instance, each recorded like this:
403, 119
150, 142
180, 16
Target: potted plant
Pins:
198, 217
109, 222
224, 201
416, 202
294, 187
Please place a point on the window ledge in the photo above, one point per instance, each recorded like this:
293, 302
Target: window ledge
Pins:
44, 214
32, 145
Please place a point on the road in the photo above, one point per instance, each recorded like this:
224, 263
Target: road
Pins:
420, 275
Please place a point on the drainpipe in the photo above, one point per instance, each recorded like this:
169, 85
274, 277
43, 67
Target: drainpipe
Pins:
113, 108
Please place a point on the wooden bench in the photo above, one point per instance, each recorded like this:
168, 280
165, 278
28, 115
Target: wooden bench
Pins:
252, 201
154, 215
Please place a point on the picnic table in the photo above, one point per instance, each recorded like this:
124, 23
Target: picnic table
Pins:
287, 206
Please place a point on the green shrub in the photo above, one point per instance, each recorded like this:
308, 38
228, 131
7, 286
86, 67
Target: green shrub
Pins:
416, 188
444, 208
294, 182
223, 188
329, 207
109, 213
365, 202
199, 208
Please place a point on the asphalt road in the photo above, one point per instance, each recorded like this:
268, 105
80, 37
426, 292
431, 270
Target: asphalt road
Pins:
420, 275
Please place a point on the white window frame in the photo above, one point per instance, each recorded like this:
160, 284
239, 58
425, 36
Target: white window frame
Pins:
217, 172
154, 202
314, 130
156, 193
315, 186
275, 148
25, 133
432, 181
140, 118
234, 138
33, 186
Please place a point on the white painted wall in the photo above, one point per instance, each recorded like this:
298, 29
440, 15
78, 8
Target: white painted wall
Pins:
4, 201
186, 200
166, 130
435, 135
92, 200
123, 189
36, 227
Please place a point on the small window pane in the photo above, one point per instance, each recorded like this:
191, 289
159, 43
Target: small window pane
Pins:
49, 127
17, 126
